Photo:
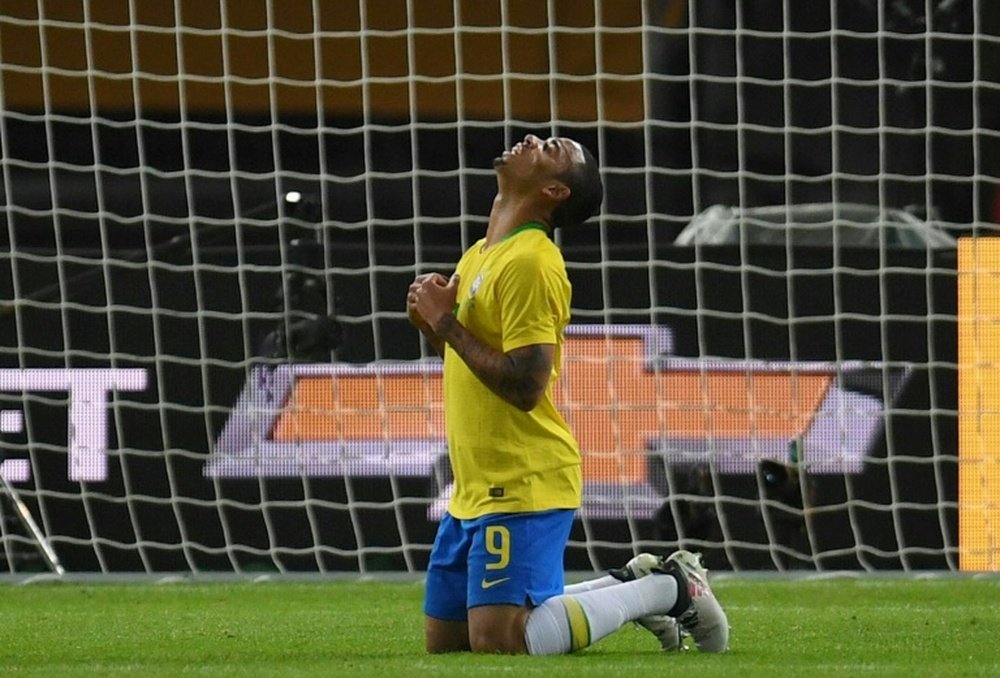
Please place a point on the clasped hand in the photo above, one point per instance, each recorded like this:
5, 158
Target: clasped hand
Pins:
431, 297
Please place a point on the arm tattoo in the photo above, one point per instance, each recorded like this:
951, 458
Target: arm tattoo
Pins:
519, 377
435, 340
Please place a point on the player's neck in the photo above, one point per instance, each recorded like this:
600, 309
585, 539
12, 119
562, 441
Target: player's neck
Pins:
509, 215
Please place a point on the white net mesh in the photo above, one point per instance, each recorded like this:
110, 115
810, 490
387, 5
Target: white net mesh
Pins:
212, 212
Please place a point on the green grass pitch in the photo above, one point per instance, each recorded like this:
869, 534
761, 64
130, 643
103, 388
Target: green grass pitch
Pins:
868, 626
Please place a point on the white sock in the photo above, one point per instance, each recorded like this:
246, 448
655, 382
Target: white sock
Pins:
571, 622
590, 585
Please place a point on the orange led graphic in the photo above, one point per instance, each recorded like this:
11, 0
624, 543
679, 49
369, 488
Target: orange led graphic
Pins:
979, 404
613, 397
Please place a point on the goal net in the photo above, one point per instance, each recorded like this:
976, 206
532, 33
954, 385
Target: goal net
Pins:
781, 348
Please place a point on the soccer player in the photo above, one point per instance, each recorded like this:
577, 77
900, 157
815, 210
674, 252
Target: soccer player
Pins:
495, 576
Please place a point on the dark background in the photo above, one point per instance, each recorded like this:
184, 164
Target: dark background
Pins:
157, 511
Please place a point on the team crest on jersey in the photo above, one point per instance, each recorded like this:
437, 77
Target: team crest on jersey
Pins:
474, 287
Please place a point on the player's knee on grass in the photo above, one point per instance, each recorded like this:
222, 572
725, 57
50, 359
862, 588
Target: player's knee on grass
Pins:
498, 629
442, 636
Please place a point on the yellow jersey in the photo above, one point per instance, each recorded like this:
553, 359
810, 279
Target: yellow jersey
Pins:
512, 294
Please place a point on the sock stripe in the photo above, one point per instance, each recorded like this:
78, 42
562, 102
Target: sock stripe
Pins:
579, 625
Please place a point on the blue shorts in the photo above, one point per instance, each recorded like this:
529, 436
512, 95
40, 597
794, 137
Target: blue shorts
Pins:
498, 559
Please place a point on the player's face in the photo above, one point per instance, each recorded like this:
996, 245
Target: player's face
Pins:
535, 157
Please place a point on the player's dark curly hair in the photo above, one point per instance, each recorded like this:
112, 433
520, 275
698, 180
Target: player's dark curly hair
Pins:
586, 192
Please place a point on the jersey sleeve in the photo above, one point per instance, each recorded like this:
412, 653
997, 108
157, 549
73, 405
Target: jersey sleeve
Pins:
534, 295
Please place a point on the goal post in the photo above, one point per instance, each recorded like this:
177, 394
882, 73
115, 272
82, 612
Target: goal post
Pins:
779, 350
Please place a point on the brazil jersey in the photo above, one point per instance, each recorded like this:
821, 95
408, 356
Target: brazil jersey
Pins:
505, 460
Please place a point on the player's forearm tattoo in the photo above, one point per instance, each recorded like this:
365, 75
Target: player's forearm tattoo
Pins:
435, 340
519, 377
